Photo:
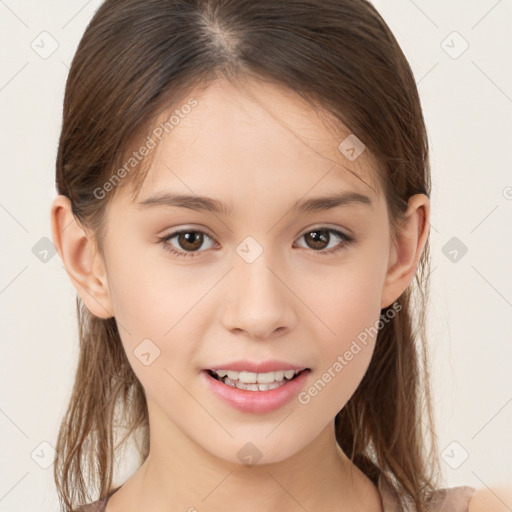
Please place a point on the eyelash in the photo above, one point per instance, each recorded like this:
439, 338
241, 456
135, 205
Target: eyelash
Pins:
347, 240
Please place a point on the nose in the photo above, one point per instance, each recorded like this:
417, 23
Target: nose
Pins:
259, 303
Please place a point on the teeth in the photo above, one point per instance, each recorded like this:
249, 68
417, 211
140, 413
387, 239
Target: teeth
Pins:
280, 375
253, 387
256, 378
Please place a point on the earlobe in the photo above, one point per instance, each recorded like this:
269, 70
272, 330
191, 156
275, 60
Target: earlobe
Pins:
406, 251
81, 259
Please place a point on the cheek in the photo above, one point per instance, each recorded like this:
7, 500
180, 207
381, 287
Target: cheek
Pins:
347, 303
346, 299
151, 294
160, 309
342, 361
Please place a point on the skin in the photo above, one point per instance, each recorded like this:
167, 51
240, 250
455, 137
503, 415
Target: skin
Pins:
292, 303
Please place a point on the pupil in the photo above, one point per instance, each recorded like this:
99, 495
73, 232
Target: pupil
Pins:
319, 238
189, 238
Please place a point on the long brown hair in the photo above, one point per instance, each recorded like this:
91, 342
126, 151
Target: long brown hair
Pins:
139, 57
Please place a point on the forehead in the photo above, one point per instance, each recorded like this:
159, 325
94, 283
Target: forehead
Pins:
254, 137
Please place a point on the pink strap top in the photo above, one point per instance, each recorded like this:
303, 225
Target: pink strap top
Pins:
447, 499
450, 499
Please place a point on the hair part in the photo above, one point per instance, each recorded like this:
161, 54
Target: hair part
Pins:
136, 59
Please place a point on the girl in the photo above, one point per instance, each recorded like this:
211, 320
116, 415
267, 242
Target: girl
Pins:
244, 211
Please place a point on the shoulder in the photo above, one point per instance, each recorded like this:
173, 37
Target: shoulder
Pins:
496, 499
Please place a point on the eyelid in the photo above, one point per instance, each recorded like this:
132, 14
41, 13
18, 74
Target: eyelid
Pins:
184, 228
346, 232
346, 239
201, 229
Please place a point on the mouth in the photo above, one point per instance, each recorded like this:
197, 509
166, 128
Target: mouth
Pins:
251, 381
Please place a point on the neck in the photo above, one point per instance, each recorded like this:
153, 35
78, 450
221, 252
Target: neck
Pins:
319, 477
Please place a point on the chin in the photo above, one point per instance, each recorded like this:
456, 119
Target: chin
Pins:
256, 450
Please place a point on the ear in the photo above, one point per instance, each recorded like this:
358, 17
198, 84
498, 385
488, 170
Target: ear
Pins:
82, 260
406, 251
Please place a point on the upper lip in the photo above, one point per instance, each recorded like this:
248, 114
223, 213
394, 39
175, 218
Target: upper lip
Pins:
261, 367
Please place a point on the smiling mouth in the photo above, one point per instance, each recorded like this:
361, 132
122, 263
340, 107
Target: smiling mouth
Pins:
249, 381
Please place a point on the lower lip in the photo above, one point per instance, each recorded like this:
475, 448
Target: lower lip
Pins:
257, 401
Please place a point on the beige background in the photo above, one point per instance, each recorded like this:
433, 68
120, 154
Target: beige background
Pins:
467, 100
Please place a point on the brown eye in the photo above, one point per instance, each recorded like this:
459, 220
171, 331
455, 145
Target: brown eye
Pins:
318, 239
187, 242
322, 238
190, 240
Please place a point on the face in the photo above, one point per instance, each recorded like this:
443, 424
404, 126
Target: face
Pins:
262, 279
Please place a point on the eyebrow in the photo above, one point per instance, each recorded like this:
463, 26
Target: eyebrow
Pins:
208, 204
